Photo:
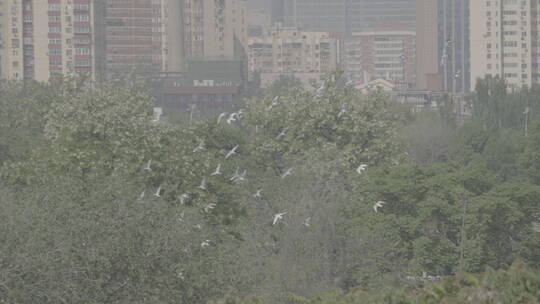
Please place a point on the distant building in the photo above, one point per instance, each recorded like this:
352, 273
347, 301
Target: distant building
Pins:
346, 16
454, 44
380, 15
505, 42
214, 28
289, 51
258, 22
41, 38
315, 15
132, 36
427, 53
443, 45
387, 55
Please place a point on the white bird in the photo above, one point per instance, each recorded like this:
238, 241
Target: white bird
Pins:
321, 89
348, 83
274, 103
181, 217
209, 207
197, 226
232, 118
205, 243
158, 192
342, 111
287, 173
183, 197
258, 194
202, 186
147, 167
281, 134
233, 151
237, 176
142, 195
306, 222
278, 217
217, 171
221, 116
200, 147
378, 205
181, 276
361, 168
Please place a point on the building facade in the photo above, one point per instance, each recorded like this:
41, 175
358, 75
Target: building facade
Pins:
380, 15
43, 38
387, 55
427, 54
454, 44
214, 28
289, 51
504, 37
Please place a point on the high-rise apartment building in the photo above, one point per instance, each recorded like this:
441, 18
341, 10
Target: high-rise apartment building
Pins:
443, 45
427, 55
289, 51
380, 15
387, 55
214, 28
346, 16
134, 36
504, 37
315, 15
11, 40
454, 44
42, 38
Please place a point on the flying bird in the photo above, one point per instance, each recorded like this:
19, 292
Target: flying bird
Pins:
361, 168
232, 152
237, 176
232, 118
342, 111
197, 226
147, 167
281, 134
277, 217
258, 194
183, 197
274, 103
158, 192
202, 186
221, 116
287, 173
217, 171
321, 89
209, 207
205, 243
200, 147
306, 222
378, 205
181, 217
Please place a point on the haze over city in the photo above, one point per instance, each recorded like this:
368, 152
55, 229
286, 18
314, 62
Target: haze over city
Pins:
270, 151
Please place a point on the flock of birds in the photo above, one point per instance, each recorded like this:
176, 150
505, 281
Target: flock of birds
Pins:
240, 175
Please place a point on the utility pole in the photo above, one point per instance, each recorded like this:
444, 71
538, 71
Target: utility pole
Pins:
527, 111
462, 248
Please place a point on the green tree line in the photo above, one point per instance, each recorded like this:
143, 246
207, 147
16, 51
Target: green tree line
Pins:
298, 193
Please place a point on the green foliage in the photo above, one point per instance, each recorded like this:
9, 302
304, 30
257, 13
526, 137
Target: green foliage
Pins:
100, 204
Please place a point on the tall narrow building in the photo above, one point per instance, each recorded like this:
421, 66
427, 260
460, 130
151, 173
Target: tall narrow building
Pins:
214, 28
11, 40
454, 44
427, 55
504, 37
